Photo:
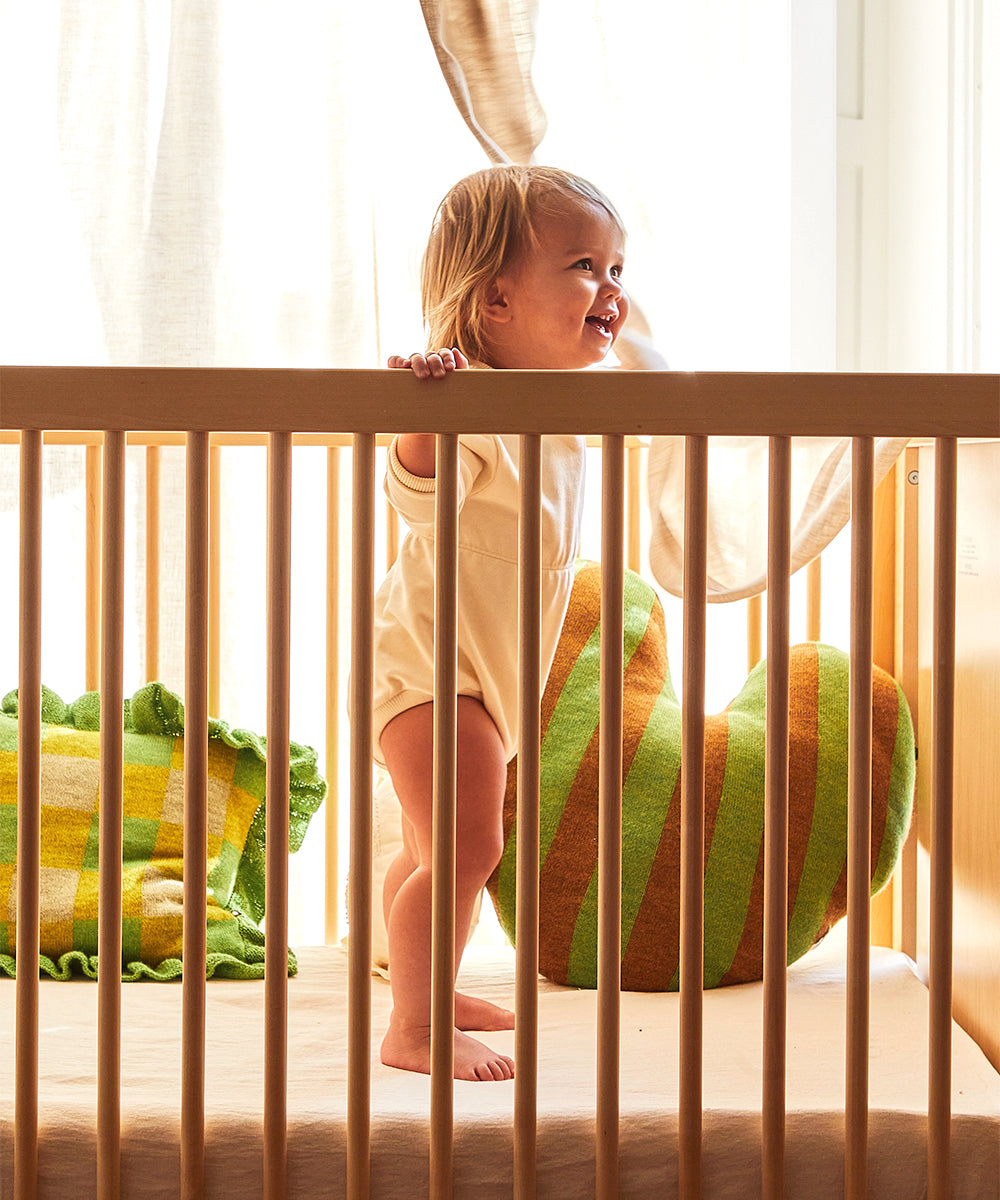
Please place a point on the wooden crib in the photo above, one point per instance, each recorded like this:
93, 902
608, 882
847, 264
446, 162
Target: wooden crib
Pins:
945, 906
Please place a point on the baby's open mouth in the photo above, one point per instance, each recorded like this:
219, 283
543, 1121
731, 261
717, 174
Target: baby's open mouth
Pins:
602, 322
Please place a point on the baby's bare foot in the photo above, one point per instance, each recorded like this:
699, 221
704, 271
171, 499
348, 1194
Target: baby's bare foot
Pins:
410, 1050
473, 1013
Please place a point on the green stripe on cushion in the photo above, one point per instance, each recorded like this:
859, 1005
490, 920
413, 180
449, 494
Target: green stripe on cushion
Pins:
645, 801
730, 870
647, 790
826, 850
573, 723
563, 744
897, 815
582, 966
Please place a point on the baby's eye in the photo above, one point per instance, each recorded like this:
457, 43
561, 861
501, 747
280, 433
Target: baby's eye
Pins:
585, 264
617, 271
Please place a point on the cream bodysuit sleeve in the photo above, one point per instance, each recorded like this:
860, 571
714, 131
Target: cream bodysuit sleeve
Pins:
413, 496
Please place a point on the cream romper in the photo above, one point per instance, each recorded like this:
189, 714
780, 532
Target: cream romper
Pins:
487, 577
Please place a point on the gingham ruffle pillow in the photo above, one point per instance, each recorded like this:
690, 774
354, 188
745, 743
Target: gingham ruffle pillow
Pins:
152, 836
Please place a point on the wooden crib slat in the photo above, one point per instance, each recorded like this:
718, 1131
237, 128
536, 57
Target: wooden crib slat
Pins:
29, 738
92, 602
195, 818
360, 896
214, 591
443, 890
331, 822
859, 816
907, 657
754, 620
609, 848
940, 967
279, 512
692, 918
109, 932
776, 819
634, 450
152, 574
528, 834
814, 599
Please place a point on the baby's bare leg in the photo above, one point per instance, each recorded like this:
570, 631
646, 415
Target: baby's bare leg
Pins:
407, 744
471, 1012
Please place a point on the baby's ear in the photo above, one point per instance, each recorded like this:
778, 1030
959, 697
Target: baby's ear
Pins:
496, 306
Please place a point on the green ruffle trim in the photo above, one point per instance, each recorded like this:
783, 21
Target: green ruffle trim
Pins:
235, 950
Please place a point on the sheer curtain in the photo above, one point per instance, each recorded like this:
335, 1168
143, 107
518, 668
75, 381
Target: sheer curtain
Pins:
230, 182
205, 181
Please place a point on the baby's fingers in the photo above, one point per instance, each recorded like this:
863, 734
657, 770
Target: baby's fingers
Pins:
435, 364
419, 364
440, 362
452, 359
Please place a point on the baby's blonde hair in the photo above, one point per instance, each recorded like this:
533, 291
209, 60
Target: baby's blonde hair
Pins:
481, 227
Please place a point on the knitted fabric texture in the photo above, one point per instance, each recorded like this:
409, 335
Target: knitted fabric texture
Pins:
734, 804
152, 837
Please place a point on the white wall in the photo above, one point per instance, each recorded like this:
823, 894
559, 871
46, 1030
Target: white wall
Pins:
918, 185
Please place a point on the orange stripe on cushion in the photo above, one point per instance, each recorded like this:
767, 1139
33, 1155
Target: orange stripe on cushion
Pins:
658, 920
566, 873
643, 682
748, 961
567, 880
583, 616
885, 715
653, 950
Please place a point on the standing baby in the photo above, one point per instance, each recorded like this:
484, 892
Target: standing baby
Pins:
522, 270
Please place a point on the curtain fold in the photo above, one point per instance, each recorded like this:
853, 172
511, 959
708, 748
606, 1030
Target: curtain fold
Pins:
737, 507
485, 50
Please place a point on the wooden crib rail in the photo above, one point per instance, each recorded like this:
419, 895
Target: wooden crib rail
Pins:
589, 402
192, 403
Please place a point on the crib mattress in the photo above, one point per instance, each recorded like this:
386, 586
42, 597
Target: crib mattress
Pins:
483, 1112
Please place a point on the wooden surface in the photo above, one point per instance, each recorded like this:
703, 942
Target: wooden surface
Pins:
589, 402
884, 619
976, 982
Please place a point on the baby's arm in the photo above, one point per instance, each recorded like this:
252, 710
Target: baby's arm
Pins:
416, 450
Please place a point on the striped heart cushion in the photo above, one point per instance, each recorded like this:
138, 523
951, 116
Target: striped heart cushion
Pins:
734, 804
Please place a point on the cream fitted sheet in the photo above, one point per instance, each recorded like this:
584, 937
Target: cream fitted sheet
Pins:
483, 1145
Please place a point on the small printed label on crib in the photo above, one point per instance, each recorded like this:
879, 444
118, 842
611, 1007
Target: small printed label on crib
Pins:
967, 554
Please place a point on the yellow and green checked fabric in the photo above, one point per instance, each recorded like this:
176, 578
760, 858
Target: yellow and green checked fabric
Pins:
152, 834
734, 804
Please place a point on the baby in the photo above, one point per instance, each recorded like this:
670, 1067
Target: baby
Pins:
522, 270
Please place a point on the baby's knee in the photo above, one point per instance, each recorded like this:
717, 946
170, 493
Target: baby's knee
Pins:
477, 857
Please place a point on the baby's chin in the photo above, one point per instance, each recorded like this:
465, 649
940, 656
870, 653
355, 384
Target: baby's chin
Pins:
601, 355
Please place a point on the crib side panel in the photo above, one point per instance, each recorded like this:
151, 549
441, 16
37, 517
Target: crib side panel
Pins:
977, 802
976, 997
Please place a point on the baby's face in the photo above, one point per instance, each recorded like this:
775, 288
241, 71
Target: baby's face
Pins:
563, 304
